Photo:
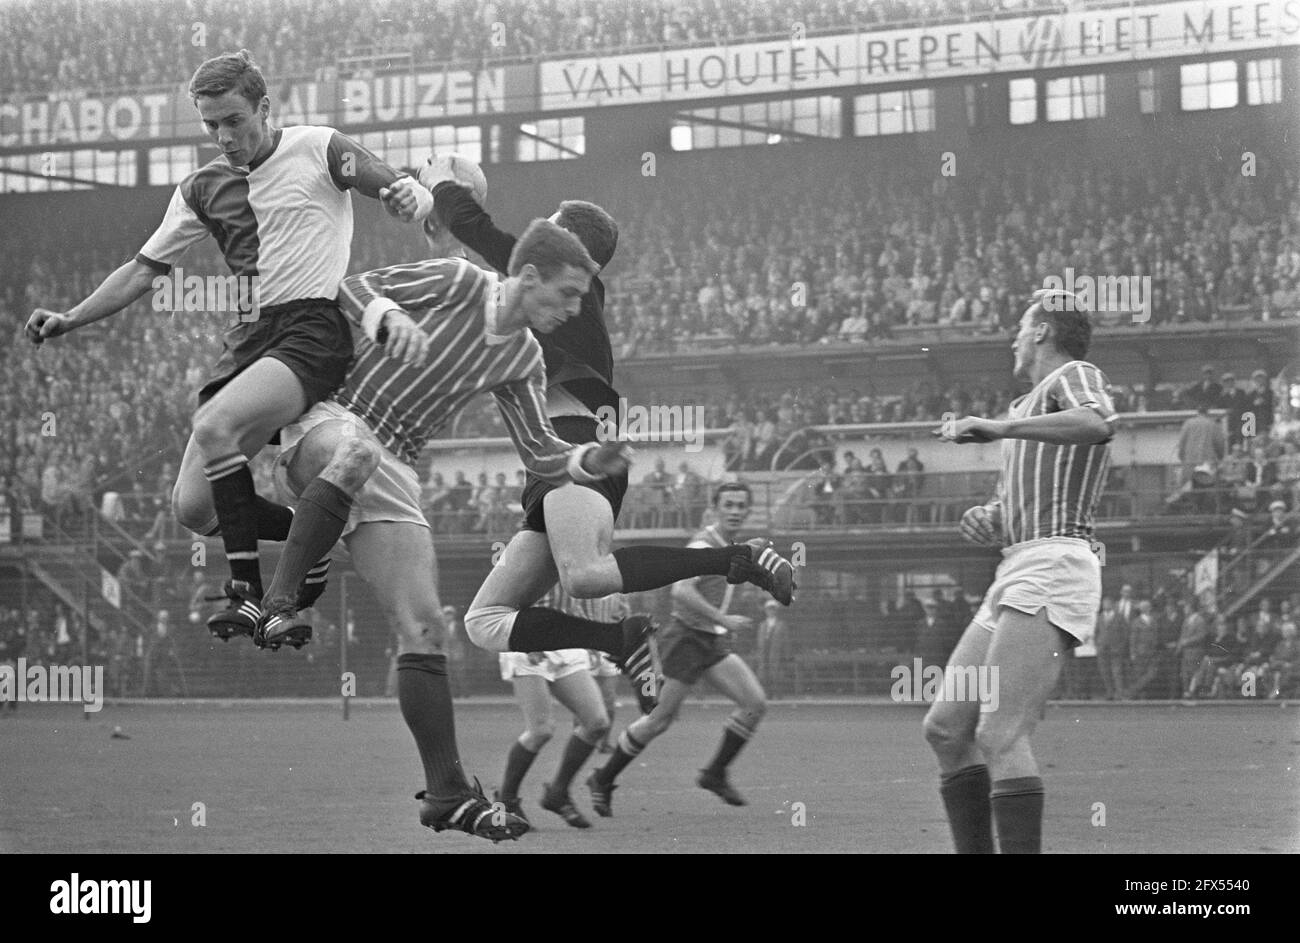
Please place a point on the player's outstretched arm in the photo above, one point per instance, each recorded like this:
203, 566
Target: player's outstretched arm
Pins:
545, 454
355, 167
470, 223
123, 286
1081, 425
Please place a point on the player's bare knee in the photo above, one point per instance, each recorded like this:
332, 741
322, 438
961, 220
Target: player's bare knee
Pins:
355, 460
214, 432
593, 729
538, 735
489, 627
192, 513
994, 737
943, 734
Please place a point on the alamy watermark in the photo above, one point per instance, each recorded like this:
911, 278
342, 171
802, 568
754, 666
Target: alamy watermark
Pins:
68, 683
1123, 294
636, 423
920, 683
233, 294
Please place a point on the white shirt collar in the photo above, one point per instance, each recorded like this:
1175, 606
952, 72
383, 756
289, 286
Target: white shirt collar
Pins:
492, 311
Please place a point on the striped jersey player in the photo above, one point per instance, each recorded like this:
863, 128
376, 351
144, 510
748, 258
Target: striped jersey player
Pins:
434, 335
1045, 594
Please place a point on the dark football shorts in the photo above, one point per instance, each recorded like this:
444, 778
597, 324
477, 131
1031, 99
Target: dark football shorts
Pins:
686, 653
310, 336
575, 429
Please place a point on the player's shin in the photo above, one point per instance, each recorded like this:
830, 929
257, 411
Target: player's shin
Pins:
1018, 814
235, 500
424, 697
738, 730
322, 515
965, 795
646, 568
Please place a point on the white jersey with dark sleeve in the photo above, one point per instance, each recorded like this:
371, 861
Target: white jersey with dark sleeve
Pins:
286, 219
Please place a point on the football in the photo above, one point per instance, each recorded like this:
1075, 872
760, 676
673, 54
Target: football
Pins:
466, 171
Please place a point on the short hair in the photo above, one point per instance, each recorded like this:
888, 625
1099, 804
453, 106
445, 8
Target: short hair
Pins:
549, 248
726, 486
1071, 327
591, 224
230, 71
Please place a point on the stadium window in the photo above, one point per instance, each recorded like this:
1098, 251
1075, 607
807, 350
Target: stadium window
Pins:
1148, 92
761, 122
1076, 97
902, 112
1023, 94
977, 109
168, 166
1263, 81
551, 139
1208, 85
466, 140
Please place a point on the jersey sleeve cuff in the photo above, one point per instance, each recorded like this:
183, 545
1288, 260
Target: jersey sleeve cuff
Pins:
162, 268
372, 317
575, 469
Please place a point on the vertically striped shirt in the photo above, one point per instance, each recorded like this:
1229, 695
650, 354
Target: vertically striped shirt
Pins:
610, 608
1052, 490
455, 303
715, 589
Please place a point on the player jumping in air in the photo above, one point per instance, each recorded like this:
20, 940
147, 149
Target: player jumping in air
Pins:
568, 527
698, 645
277, 203
1044, 597
449, 331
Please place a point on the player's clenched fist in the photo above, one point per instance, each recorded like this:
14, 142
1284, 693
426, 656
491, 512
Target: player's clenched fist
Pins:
404, 340
407, 200
982, 525
44, 324
608, 459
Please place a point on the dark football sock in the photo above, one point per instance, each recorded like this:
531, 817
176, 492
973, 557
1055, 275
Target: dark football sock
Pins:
236, 504
644, 568
734, 737
549, 630
425, 699
965, 796
1018, 814
627, 750
314, 584
317, 525
518, 761
576, 752
273, 520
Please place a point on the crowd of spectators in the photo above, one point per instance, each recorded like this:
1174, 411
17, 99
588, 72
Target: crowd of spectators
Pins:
832, 257
148, 42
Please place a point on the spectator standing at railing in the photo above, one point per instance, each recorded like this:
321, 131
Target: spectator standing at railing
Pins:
459, 503
658, 486
1287, 488
1201, 442
1112, 650
162, 661
1281, 532
691, 493
1194, 641
774, 650
1235, 402
1143, 651
908, 484
1259, 403
1207, 392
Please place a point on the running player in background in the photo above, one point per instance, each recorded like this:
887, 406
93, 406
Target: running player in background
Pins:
1044, 597
698, 645
277, 203
566, 674
568, 528
435, 335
